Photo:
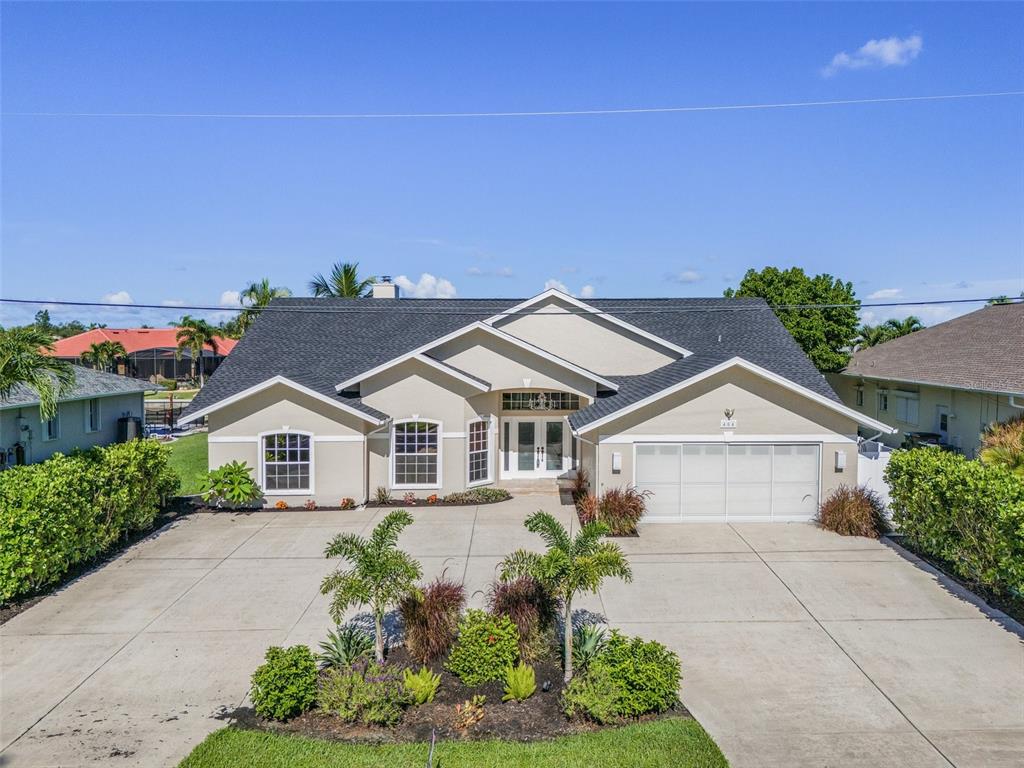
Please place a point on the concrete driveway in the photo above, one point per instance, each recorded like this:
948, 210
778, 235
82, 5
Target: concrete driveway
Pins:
799, 648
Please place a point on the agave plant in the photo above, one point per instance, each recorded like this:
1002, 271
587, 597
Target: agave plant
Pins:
587, 643
344, 648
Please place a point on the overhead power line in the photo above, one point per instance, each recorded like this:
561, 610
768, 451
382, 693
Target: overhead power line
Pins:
409, 307
534, 113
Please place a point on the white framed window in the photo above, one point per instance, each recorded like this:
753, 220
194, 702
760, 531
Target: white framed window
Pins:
907, 407
51, 427
92, 415
286, 463
416, 454
478, 452
883, 401
860, 397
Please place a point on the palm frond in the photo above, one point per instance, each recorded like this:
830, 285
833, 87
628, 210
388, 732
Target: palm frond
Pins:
519, 563
387, 531
548, 528
347, 545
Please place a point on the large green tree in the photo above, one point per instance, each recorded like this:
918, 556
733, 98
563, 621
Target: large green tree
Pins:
343, 283
26, 358
820, 312
571, 566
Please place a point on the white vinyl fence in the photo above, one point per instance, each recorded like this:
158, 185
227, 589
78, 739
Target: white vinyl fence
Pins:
872, 459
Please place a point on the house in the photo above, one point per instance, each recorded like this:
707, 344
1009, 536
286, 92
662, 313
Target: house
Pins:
101, 408
945, 383
707, 403
152, 352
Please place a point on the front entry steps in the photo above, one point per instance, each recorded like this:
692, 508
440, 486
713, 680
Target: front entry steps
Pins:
547, 486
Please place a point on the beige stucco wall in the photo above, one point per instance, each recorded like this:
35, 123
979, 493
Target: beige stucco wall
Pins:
504, 365
969, 412
763, 410
587, 340
73, 432
338, 466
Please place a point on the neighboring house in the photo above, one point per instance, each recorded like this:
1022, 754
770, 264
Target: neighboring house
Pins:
945, 383
708, 403
152, 352
102, 408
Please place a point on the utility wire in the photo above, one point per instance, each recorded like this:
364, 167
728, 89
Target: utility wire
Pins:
409, 307
538, 113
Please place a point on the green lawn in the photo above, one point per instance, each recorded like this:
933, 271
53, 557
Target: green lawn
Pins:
674, 743
182, 395
188, 459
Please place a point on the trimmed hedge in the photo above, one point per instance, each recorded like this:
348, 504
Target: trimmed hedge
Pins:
964, 512
69, 509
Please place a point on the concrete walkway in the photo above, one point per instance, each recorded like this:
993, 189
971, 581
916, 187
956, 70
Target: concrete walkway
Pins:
799, 648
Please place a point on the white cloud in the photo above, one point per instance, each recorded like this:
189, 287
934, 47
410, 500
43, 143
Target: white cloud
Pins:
428, 287
685, 277
119, 297
558, 285
230, 298
885, 293
475, 272
172, 303
876, 54
587, 292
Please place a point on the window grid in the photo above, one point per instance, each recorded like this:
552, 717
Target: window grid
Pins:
415, 453
286, 462
51, 428
94, 414
479, 465
530, 401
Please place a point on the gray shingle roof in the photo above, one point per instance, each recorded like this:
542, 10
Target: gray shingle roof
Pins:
983, 350
320, 342
88, 384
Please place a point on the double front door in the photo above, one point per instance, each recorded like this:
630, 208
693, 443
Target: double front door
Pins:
535, 447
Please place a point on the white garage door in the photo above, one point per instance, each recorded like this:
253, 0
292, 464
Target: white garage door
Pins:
718, 481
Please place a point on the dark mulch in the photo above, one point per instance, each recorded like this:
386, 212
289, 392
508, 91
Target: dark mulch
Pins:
398, 504
178, 508
538, 717
1011, 605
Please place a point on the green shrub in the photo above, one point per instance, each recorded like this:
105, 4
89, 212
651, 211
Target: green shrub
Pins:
486, 646
344, 648
231, 484
965, 512
853, 510
646, 674
284, 686
421, 685
593, 695
520, 683
477, 496
69, 509
532, 609
375, 695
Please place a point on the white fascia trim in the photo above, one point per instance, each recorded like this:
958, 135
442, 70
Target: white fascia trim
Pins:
555, 293
232, 439
453, 372
755, 369
725, 437
288, 383
477, 326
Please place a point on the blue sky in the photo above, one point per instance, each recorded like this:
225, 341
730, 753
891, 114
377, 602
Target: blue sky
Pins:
920, 200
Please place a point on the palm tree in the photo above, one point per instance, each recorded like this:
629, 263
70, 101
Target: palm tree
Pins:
380, 574
26, 358
344, 283
571, 566
1003, 445
255, 297
114, 351
195, 334
904, 327
95, 355
869, 336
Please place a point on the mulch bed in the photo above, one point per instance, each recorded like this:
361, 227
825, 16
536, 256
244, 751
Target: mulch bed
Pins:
399, 504
1009, 604
538, 717
178, 508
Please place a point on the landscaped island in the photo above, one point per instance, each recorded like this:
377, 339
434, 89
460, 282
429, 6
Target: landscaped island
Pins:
526, 670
